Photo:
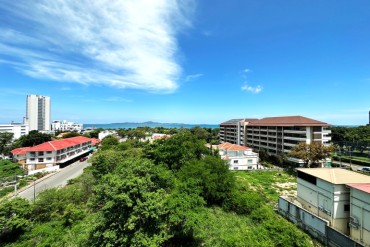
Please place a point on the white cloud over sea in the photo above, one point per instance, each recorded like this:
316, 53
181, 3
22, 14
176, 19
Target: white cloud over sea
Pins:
120, 43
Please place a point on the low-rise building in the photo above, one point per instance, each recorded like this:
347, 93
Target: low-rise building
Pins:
359, 221
17, 129
57, 125
324, 192
104, 133
48, 156
238, 157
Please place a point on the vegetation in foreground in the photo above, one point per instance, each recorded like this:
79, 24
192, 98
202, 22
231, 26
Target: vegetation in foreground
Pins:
172, 192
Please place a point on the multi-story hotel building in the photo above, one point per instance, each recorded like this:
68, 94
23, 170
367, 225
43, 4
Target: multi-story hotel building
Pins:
274, 134
38, 112
48, 156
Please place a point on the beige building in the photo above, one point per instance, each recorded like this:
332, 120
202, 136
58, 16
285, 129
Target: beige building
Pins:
324, 192
360, 213
274, 134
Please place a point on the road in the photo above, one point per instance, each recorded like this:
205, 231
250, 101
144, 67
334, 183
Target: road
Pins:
59, 179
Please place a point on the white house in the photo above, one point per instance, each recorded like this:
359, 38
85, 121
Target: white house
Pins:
105, 133
238, 157
323, 191
360, 213
49, 155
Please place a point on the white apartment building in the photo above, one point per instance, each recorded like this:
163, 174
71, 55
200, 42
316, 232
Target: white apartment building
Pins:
38, 112
274, 134
66, 126
17, 129
324, 192
48, 156
238, 157
360, 213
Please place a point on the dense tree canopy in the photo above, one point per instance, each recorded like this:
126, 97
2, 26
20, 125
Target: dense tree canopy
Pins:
5, 141
33, 138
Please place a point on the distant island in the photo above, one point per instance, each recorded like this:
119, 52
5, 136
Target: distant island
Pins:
132, 125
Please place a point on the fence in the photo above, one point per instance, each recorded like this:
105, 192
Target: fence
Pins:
315, 226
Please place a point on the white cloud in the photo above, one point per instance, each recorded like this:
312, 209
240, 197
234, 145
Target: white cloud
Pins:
121, 43
117, 99
256, 89
192, 77
247, 70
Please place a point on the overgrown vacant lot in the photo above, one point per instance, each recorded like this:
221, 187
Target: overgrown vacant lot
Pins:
271, 184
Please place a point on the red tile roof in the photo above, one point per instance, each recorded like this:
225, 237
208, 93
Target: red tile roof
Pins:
95, 141
232, 147
362, 187
19, 151
58, 144
287, 121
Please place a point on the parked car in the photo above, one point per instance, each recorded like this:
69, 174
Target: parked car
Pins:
83, 159
364, 169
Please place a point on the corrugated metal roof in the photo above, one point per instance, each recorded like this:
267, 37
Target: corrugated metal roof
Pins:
336, 175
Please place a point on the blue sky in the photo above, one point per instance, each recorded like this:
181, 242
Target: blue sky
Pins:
206, 61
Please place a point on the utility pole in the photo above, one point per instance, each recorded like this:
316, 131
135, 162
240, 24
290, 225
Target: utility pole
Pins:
34, 190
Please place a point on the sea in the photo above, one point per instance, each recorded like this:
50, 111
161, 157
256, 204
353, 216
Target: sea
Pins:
148, 124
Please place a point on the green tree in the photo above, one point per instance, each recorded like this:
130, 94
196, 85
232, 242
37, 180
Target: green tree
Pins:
212, 175
177, 150
14, 219
131, 206
5, 140
33, 138
70, 134
312, 153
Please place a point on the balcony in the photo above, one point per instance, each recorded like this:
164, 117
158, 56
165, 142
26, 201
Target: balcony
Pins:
295, 131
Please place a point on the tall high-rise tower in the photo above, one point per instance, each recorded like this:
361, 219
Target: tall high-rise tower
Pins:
38, 112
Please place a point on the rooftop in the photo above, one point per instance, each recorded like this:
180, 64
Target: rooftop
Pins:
53, 145
336, 175
232, 147
287, 121
362, 187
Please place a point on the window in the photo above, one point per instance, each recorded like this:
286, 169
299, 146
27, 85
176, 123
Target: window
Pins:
236, 168
250, 161
48, 152
236, 161
41, 159
346, 208
48, 158
41, 153
32, 159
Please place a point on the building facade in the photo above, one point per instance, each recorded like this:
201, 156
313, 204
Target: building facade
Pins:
360, 213
50, 155
324, 192
17, 129
66, 126
274, 134
238, 157
38, 112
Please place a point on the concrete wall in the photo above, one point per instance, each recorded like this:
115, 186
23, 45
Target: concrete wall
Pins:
360, 212
327, 201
